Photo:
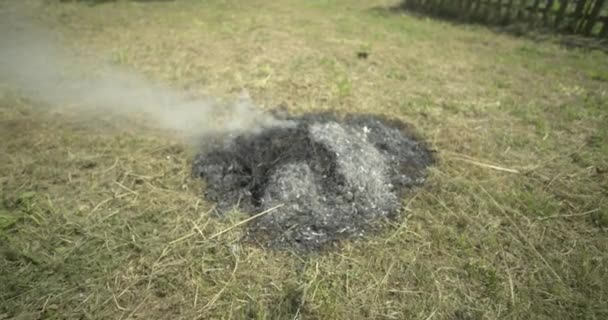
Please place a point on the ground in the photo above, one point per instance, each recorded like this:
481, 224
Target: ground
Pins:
102, 219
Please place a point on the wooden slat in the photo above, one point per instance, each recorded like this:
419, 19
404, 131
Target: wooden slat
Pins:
435, 4
595, 12
509, 12
468, 9
604, 32
486, 11
456, 8
497, 14
432, 6
423, 3
533, 10
578, 16
546, 12
476, 9
469, 6
521, 9
461, 6
560, 13
440, 6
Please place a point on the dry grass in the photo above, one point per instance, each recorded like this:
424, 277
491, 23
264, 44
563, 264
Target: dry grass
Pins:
102, 220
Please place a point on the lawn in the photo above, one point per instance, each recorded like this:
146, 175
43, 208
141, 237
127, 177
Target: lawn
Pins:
101, 219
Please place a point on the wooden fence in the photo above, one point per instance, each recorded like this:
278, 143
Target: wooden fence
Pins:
586, 17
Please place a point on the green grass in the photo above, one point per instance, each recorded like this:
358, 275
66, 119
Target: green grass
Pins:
101, 219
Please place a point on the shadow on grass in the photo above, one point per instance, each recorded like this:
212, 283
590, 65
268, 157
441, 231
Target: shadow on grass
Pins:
522, 28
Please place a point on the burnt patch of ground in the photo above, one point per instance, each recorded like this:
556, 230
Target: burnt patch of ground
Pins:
334, 177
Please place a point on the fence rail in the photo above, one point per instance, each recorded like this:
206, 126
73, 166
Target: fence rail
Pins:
586, 17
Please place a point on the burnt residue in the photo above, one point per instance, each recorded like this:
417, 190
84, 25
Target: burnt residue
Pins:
335, 176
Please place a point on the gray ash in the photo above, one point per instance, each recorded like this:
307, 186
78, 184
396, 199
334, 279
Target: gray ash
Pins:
336, 177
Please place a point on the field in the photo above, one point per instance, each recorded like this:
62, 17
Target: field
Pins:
101, 219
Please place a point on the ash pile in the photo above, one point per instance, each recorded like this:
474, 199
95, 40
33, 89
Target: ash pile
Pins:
333, 177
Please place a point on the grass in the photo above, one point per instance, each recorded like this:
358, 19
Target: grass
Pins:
101, 219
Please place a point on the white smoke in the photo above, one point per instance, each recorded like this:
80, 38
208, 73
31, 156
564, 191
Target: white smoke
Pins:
33, 62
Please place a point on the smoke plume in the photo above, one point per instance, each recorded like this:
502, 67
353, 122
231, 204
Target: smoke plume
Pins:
33, 62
